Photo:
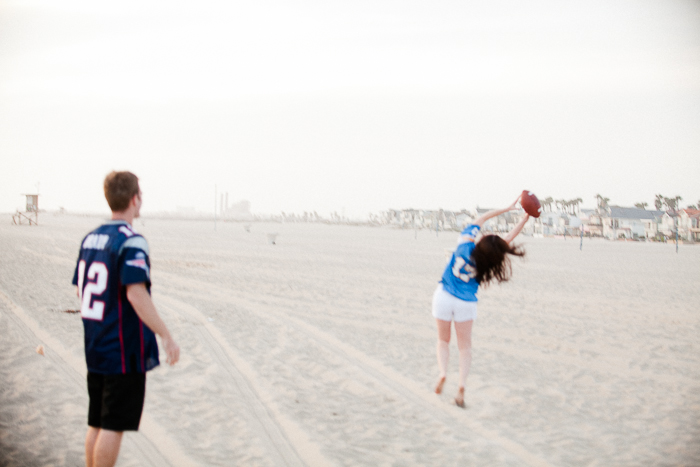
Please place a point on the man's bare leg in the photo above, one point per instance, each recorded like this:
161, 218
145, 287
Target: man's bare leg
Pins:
90, 439
107, 448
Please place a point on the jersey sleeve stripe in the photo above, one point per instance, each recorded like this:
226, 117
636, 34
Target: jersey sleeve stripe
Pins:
135, 242
121, 330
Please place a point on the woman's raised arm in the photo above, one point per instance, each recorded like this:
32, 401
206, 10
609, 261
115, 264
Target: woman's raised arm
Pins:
495, 213
516, 230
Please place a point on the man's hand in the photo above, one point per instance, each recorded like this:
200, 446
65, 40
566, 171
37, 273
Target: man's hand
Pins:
140, 299
172, 351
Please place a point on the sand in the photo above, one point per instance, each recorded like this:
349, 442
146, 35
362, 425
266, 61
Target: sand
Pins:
320, 350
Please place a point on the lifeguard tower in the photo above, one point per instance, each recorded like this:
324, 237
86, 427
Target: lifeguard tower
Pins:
31, 213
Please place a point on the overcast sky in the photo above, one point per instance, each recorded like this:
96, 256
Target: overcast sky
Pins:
349, 105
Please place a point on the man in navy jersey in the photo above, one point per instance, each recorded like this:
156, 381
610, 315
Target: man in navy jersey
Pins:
120, 322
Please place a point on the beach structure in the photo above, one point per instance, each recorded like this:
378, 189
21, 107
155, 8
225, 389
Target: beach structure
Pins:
31, 213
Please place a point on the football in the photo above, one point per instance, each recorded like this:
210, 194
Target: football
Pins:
530, 203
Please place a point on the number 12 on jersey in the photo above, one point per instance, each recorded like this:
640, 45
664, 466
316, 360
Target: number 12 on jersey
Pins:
457, 269
97, 276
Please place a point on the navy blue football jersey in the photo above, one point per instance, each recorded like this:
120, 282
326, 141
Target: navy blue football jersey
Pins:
116, 340
459, 275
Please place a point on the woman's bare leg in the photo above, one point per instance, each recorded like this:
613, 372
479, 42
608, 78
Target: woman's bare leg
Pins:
463, 331
443, 351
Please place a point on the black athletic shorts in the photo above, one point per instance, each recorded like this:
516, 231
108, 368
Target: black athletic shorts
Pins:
116, 401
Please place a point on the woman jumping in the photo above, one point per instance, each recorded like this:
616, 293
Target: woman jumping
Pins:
472, 264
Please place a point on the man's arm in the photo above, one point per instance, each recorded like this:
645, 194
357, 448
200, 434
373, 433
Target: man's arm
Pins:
494, 213
516, 230
140, 299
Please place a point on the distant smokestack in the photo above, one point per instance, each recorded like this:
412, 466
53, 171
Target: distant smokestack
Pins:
226, 201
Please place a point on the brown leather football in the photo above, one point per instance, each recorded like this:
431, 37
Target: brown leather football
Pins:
530, 203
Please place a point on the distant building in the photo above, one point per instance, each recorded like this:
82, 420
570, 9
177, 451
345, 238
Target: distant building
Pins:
621, 222
689, 221
685, 220
236, 211
462, 219
552, 223
490, 225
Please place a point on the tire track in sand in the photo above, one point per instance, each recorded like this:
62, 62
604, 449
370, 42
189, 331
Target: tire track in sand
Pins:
284, 440
151, 441
395, 382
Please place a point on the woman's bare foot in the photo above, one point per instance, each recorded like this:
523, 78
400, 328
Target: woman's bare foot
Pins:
438, 388
459, 399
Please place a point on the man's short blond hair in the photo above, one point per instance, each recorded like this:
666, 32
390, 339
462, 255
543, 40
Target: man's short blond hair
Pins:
120, 188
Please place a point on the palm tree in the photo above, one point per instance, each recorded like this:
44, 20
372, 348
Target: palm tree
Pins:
678, 201
574, 205
672, 203
641, 205
602, 202
659, 202
547, 203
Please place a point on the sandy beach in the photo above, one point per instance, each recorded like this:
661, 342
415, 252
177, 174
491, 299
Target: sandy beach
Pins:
320, 350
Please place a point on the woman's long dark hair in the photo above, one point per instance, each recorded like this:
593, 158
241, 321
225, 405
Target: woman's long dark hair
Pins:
490, 256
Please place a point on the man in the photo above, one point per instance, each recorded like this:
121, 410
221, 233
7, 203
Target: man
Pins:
120, 322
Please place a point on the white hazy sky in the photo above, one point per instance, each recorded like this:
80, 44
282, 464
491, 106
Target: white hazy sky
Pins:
349, 105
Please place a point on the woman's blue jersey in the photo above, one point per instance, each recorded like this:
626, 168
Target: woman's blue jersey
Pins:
116, 340
458, 278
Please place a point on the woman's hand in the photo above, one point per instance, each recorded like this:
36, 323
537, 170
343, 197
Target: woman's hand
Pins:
513, 206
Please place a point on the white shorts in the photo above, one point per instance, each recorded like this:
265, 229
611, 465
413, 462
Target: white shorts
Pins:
447, 307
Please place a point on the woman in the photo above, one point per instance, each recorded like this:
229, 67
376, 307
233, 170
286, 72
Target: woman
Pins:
472, 264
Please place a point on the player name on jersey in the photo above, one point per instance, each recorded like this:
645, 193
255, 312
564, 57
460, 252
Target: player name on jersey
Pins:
95, 242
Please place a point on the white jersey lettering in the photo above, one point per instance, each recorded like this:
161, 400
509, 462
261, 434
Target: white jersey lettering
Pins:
98, 274
95, 242
457, 269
